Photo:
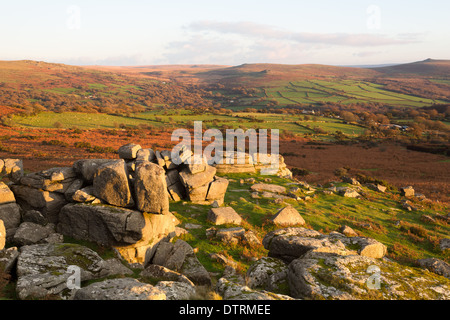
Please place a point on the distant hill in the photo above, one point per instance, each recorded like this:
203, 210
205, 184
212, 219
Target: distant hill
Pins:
35, 85
257, 74
428, 68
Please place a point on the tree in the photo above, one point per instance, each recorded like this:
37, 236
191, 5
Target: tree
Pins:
57, 125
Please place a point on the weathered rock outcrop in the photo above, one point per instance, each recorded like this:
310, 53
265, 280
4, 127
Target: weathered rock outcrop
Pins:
111, 184
12, 168
268, 274
232, 287
105, 225
43, 270
8, 259
180, 257
323, 275
240, 162
48, 203
30, 233
120, 289
151, 188
291, 243
435, 265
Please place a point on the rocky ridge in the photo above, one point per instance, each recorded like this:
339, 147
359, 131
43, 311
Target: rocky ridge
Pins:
124, 205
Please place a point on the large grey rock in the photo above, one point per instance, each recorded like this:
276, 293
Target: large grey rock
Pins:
367, 247
175, 290
31, 233
268, 274
129, 151
48, 203
154, 272
6, 195
111, 184
53, 180
172, 177
320, 275
105, 225
13, 169
120, 289
145, 155
10, 214
151, 188
177, 191
288, 216
261, 187
158, 228
198, 194
196, 164
291, 243
87, 168
8, 259
35, 217
230, 290
76, 185
180, 257
43, 269
436, 265
191, 181
217, 189
224, 215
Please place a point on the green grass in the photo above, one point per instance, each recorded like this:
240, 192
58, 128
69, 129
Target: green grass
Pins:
181, 119
339, 91
373, 216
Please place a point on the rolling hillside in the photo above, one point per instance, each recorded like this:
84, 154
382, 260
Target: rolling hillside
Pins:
37, 86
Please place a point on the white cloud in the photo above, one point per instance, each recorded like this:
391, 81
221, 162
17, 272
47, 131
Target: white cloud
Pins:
254, 30
247, 42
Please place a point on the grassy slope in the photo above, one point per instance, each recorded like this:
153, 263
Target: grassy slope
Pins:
373, 216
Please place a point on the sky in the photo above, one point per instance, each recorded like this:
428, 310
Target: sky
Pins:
139, 32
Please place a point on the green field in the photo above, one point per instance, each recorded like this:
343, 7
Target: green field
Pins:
181, 119
339, 91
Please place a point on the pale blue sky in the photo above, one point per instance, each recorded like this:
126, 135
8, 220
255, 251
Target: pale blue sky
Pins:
346, 32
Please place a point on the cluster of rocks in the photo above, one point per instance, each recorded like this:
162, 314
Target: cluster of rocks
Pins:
305, 264
45, 270
187, 177
299, 191
241, 162
123, 204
